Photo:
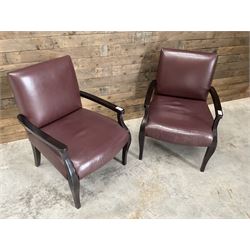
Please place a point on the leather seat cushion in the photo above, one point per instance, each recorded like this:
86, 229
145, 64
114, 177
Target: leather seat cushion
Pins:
92, 139
179, 120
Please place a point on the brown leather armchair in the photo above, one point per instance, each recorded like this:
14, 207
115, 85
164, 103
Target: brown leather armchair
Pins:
176, 110
75, 140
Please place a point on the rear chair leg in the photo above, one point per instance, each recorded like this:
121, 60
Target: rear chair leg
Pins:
37, 156
141, 142
209, 152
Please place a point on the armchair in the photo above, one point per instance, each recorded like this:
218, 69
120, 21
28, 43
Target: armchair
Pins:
75, 140
175, 106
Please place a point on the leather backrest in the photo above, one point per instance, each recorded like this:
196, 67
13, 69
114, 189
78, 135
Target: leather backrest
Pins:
46, 91
185, 74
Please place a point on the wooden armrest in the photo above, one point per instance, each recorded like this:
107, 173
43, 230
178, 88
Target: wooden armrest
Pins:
149, 94
41, 135
217, 103
103, 102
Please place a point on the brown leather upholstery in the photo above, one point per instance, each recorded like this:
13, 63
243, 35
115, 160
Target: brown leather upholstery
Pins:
92, 139
179, 120
46, 91
185, 74
75, 140
175, 105
48, 95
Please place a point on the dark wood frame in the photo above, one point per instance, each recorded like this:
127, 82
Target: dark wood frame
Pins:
62, 149
149, 95
218, 115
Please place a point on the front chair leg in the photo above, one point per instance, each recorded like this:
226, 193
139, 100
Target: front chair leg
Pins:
209, 152
74, 185
125, 151
37, 156
73, 180
141, 142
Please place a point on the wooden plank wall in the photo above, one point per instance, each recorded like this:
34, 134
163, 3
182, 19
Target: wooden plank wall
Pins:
118, 65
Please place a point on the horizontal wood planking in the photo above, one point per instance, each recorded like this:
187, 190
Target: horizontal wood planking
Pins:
118, 66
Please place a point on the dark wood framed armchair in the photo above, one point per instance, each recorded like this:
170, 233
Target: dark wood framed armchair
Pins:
176, 109
75, 140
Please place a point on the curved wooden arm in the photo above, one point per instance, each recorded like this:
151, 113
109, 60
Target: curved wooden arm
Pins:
216, 101
217, 108
120, 111
44, 137
55, 145
149, 94
103, 102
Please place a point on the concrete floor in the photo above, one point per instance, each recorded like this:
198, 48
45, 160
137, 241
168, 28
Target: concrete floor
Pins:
166, 184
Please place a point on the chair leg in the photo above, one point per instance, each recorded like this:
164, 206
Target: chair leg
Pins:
74, 185
125, 151
73, 180
141, 142
209, 152
37, 156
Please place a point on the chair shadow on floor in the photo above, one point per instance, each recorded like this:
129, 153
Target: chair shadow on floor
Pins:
163, 148
171, 149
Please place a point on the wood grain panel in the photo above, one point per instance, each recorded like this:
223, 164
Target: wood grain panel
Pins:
117, 66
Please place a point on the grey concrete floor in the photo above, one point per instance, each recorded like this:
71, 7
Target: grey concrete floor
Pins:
166, 184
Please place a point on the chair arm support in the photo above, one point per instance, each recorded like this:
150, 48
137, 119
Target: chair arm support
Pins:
217, 108
44, 137
103, 102
119, 111
149, 94
216, 101
150, 91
